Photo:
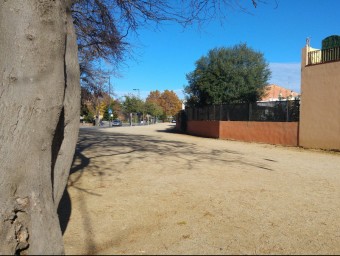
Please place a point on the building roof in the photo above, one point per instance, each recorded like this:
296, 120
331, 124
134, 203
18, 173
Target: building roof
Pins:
273, 93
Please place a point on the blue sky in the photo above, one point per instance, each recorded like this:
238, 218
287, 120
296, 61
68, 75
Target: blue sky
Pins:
163, 57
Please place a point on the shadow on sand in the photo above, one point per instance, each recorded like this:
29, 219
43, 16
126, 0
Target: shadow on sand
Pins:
95, 143
106, 143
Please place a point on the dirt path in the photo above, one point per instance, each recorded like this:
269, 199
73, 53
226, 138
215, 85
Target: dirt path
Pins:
142, 190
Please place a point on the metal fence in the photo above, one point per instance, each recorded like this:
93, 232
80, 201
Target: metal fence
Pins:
273, 111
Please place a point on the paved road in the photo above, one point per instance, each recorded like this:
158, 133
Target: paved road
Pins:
147, 190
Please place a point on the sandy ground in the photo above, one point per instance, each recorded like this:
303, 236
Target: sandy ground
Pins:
145, 190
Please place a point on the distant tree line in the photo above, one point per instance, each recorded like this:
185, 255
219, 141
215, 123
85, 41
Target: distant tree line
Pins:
158, 106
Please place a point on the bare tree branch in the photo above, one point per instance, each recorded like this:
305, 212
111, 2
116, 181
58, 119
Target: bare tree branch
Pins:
102, 27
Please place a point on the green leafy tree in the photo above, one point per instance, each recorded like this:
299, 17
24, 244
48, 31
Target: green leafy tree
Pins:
153, 109
228, 75
133, 104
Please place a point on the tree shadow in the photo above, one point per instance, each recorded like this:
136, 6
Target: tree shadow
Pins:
170, 129
65, 207
94, 144
64, 211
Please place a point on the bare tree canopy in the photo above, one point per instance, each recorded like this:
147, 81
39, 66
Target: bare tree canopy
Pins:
102, 27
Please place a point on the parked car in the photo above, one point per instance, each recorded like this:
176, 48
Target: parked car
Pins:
173, 121
116, 122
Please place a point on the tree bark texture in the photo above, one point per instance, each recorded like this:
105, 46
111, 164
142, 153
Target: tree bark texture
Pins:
39, 121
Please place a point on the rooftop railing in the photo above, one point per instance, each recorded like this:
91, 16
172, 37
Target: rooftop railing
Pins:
323, 56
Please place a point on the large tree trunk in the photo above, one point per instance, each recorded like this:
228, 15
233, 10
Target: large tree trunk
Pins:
39, 121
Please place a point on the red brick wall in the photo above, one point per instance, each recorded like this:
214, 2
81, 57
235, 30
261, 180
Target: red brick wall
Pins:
281, 133
208, 129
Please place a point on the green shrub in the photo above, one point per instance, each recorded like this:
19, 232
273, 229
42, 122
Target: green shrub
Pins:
331, 42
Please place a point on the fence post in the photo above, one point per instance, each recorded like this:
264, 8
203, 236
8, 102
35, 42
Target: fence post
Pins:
250, 112
214, 113
208, 113
220, 112
287, 111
